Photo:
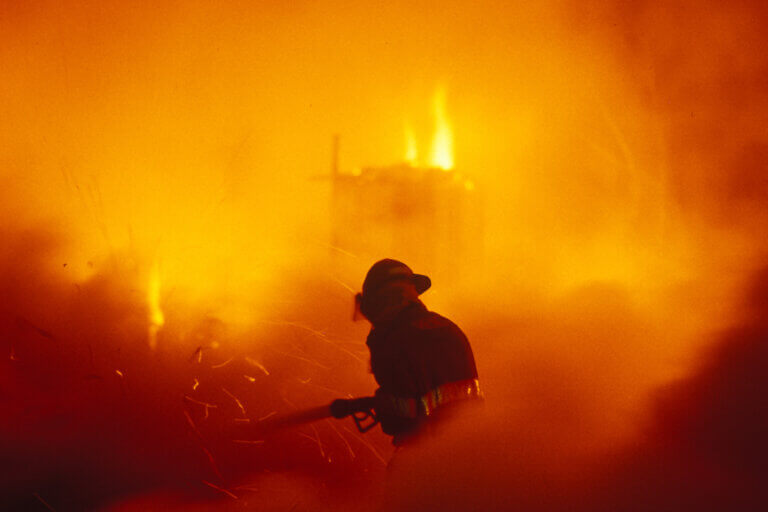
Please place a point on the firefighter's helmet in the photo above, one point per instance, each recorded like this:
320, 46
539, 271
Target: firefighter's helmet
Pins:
387, 270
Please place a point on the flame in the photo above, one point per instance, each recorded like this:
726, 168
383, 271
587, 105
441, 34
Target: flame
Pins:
411, 151
156, 317
442, 139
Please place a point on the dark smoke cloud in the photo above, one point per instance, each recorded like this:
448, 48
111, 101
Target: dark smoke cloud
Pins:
705, 448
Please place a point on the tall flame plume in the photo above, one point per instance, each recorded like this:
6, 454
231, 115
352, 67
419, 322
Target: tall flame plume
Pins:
442, 139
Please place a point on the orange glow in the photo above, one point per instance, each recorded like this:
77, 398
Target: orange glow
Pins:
165, 184
411, 149
442, 139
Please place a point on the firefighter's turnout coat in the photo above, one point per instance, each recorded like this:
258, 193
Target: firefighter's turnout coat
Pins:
422, 363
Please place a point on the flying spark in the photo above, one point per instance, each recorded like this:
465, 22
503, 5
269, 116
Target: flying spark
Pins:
237, 401
257, 364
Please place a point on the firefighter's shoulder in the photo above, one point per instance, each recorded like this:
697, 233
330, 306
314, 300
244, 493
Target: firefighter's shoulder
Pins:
439, 326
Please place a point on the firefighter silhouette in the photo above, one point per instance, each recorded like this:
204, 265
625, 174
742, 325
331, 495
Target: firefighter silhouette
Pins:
422, 361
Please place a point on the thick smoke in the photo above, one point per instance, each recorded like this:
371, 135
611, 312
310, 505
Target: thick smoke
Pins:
618, 322
93, 414
704, 448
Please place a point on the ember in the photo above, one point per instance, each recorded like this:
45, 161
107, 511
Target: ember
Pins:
156, 317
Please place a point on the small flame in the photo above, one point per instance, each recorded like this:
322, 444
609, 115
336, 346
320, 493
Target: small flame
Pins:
442, 139
411, 151
156, 317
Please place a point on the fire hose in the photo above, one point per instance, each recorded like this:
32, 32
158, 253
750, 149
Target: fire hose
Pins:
361, 409
364, 410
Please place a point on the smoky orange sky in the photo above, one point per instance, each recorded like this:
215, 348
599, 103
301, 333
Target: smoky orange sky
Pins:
166, 182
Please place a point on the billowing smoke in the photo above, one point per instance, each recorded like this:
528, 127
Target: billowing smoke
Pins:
165, 184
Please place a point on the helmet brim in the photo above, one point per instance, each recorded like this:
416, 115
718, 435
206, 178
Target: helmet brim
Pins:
421, 283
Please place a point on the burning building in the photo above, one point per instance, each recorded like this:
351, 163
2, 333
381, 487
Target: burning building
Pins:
424, 212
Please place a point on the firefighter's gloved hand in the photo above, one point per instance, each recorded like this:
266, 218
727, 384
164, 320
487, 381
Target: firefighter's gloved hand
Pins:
341, 408
344, 407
